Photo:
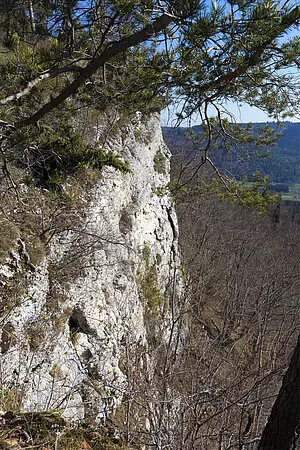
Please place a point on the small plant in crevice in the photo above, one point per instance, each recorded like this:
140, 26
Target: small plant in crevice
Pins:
8, 237
155, 301
10, 398
12, 291
138, 134
8, 338
36, 334
160, 163
56, 371
148, 284
150, 291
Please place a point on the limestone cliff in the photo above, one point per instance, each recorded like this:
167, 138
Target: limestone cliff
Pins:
103, 283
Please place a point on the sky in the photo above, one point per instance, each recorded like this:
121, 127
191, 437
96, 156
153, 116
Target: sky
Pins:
247, 113
242, 114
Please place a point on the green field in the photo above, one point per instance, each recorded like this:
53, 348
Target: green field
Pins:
293, 193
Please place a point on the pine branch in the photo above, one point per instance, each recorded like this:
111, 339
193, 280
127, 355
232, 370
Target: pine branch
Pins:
44, 76
114, 49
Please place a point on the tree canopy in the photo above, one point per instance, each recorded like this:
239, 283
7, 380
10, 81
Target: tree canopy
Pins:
136, 52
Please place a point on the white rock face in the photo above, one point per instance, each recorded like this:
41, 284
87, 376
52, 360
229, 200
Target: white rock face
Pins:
71, 326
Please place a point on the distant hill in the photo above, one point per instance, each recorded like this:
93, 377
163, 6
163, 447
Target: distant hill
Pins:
282, 166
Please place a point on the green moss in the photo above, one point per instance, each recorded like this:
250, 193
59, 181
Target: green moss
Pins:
155, 301
160, 162
146, 254
150, 291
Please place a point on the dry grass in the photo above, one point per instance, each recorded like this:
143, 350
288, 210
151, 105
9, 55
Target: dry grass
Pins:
48, 431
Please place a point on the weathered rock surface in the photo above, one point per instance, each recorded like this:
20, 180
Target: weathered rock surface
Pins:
61, 344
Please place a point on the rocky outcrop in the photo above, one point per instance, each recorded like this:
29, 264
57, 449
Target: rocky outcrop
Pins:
104, 282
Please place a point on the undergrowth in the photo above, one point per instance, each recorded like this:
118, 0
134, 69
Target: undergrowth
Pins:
49, 431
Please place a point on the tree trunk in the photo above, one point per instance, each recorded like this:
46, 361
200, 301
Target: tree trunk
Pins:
280, 432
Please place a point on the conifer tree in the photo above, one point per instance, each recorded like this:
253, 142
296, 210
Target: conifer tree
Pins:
190, 52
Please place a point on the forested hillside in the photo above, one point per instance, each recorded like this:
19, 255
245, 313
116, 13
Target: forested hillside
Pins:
280, 162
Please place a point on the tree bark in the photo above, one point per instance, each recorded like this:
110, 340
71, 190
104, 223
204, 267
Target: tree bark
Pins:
281, 429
